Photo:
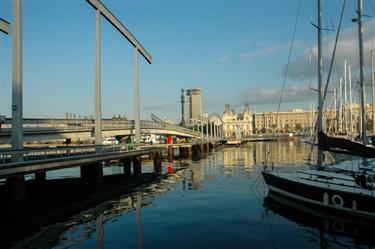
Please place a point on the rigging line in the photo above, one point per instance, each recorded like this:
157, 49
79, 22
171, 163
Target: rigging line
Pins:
333, 53
288, 62
330, 67
286, 69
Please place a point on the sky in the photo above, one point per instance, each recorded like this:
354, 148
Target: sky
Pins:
234, 51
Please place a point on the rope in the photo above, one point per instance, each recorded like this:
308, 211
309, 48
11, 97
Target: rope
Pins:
329, 72
286, 70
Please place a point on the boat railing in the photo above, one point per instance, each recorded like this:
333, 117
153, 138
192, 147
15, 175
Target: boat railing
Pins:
330, 180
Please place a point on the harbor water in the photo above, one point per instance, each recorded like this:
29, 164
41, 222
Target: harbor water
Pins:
220, 201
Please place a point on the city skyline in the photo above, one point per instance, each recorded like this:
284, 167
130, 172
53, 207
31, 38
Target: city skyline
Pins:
234, 51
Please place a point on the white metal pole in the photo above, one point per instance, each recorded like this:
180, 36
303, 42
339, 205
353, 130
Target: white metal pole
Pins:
361, 75
17, 79
98, 101
136, 97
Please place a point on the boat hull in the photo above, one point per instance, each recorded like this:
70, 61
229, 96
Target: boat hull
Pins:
354, 204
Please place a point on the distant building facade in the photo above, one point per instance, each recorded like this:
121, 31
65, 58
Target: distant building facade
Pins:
193, 103
236, 126
295, 120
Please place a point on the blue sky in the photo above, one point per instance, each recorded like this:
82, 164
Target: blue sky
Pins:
235, 51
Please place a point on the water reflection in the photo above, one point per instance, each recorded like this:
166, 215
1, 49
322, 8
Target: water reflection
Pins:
331, 227
217, 202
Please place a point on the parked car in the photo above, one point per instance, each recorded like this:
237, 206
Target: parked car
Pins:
110, 141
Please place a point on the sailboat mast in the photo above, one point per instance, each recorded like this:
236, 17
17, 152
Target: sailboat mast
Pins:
373, 92
320, 78
361, 76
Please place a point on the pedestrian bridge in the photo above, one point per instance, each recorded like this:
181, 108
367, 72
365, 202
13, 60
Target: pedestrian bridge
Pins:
83, 129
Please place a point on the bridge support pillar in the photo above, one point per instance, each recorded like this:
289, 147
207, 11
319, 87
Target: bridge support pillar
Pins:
182, 152
40, 177
126, 163
16, 188
170, 153
137, 165
189, 152
157, 164
210, 147
92, 171
202, 149
197, 152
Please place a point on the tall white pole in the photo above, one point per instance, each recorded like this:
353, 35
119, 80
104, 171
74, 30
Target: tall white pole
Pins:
340, 107
98, 101
17, 79
320, 80
361, 75
350, 100
136, 98
373, 92
345, 102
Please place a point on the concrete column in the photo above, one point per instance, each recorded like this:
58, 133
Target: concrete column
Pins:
182, 152
17, 81
98, 101
170, 154
127, 166
189, 152
137, 165
40, 177
16, 188
92, 171
196, 152
136, 98
157, 164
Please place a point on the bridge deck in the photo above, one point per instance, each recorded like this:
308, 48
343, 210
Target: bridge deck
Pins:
63, 157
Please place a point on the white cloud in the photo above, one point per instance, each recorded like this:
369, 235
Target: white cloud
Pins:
266, 49
223, 59
258, 95
347, 48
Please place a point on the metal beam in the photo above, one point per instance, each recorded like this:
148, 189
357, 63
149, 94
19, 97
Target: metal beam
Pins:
98, 93
17, 79
120, 27
136, 99
4, 26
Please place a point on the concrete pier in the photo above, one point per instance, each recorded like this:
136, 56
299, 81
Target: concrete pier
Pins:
197, 152
189, 152
182, 152
157, 164
92, 171
40, 177
126, 163
16, 188
137, 165
170, 154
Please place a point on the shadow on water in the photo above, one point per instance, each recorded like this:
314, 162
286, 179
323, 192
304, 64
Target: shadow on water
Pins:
329, 225
54, 201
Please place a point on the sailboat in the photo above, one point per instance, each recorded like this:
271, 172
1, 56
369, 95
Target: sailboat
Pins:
350, 193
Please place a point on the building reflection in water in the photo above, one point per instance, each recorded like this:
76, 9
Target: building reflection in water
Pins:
232, 161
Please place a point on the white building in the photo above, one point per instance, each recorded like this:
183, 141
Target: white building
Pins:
237, 125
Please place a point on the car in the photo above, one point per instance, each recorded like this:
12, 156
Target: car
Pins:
110, 141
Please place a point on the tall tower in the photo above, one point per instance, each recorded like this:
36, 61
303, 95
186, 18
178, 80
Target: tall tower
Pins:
182, 108
194, 103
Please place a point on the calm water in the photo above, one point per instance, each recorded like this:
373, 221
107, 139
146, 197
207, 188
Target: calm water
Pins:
218, 202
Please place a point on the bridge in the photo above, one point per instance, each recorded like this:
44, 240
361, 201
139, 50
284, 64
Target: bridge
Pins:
83, 130
18, 161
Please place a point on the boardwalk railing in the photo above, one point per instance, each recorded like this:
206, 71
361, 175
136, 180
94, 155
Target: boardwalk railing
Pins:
31, 154
88, 124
